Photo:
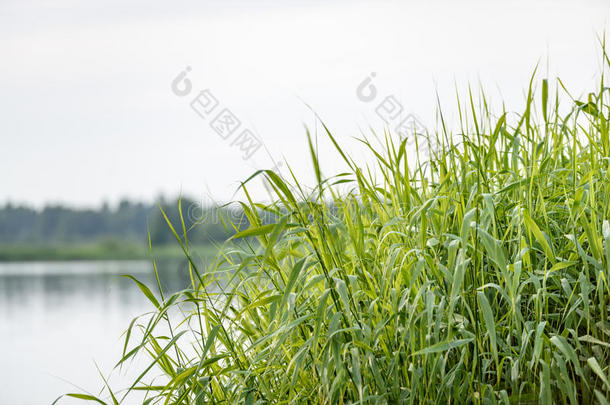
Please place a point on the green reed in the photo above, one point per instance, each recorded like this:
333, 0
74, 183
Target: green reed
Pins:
476, 272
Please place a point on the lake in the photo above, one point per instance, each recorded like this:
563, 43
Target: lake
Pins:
59, 319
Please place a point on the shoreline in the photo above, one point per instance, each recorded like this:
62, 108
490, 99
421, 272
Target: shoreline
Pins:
96, 251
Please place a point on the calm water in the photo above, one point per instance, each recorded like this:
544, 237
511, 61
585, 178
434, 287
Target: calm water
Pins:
57, 320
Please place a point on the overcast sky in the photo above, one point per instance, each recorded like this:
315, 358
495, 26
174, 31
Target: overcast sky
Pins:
87, 111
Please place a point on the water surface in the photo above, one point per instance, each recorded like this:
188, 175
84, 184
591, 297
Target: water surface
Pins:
59, 319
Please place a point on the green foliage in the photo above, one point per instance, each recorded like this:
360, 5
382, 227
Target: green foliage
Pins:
56, 223
477, 275
63, 233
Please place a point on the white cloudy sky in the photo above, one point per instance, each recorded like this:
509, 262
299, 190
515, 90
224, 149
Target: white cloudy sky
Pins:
87, 113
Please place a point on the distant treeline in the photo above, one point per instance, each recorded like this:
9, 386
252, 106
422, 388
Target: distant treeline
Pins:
127, 221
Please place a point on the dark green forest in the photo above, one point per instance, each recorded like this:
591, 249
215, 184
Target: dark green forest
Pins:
119, 231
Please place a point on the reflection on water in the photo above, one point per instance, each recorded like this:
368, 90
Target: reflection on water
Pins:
57, 320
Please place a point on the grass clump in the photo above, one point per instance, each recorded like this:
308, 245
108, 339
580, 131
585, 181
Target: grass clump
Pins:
477, 274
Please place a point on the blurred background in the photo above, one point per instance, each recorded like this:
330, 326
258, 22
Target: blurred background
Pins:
111, 109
